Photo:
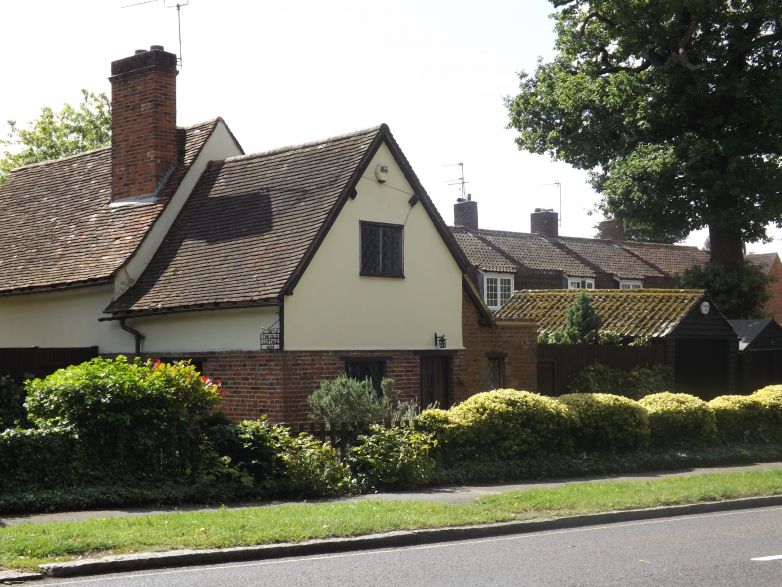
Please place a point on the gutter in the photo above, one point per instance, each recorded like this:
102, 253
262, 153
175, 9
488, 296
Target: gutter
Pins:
136, 334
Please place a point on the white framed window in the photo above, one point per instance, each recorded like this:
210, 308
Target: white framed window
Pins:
630, 284
580, 283
497, 289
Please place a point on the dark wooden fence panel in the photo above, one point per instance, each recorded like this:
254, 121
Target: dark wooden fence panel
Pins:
557, 363
38, 361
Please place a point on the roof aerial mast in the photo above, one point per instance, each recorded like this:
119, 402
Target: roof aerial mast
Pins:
169, 4
460, 180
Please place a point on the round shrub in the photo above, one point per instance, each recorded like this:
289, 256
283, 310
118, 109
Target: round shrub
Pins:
679, 419
608, 422
740, 418
392, 458
770, 399
510, 424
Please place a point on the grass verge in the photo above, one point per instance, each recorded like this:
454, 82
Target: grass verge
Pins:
26, 546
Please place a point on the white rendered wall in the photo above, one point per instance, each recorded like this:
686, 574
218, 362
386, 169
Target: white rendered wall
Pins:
334, 308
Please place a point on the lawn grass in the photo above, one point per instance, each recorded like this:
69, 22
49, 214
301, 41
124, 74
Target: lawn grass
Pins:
28, 545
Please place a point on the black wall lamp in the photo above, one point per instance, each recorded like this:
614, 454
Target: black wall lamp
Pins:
439, 341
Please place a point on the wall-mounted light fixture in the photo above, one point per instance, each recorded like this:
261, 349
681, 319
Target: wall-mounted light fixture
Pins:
439, 341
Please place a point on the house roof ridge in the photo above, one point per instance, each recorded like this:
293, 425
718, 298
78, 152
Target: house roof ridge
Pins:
315, 143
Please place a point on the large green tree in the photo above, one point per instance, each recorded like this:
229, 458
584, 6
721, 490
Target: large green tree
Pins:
673, 106
72, 130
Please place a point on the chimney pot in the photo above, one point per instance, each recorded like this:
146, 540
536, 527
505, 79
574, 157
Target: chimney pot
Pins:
465, 213
544, 222
156, 48
140, 51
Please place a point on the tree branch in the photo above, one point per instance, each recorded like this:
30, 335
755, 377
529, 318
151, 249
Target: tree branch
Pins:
579, 32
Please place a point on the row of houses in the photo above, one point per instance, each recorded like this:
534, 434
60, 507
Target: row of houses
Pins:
273, 271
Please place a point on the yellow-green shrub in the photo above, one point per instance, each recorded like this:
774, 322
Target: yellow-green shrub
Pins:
509, 424
740, 418
679, 419
770, 398
608, 422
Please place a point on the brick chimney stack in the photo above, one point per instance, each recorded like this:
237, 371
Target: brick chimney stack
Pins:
143, 122
612, 230
465, 213
544, 222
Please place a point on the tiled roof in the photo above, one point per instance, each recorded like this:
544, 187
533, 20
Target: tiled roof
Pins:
481, 254
609, 257
643, 312
748, 330
528, 251
58, 228
248, 226
671, 259
763, 260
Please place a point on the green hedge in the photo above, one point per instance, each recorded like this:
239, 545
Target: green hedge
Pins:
741, 418
679, 419
608, 422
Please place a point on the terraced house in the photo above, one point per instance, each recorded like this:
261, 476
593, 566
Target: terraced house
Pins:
271, 271
502, 262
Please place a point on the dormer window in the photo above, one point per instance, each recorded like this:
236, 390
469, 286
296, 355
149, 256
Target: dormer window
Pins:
630, 284
497, 289
580, 283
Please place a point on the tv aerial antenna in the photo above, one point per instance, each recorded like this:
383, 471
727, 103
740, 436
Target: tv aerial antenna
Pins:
178, 4
460, 180
559, 187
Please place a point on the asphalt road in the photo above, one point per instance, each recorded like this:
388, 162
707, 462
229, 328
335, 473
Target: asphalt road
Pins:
710, 549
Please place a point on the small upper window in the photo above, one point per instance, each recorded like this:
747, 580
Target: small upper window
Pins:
630, 284
580, 283
370, 369
497, 289
382, 250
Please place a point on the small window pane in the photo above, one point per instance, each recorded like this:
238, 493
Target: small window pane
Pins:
505, 290
382, 250
361, 370
495, 374
491, 292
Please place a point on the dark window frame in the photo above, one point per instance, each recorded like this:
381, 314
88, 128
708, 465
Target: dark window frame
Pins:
372, 368
364, 270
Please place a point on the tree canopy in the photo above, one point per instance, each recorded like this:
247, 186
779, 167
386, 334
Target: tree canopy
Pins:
673, 107
53, 134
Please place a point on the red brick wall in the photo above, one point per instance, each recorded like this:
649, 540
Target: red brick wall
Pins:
143, 122
278, 383
773, 308
518, 341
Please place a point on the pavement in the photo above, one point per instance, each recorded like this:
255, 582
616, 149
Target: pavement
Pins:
460, 494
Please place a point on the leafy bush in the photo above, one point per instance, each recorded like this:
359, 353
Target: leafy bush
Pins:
770, 398
740, 418
392, 458
636, 383
11, 403
314, 469
608, 422
679, 419
145, 416
345, 401
506, 423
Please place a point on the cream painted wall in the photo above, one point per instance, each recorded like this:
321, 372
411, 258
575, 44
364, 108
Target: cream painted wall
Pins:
219, 146
216, 330
334, 308
67, 318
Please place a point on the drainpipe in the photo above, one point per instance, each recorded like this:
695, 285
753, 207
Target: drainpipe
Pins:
136, 334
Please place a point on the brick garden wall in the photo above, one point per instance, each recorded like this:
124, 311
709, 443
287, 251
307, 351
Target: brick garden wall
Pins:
773, 308
517, 342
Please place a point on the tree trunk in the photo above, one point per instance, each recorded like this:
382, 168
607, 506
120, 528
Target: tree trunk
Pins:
727, 248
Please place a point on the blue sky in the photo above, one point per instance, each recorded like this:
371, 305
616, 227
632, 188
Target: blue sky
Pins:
283, 73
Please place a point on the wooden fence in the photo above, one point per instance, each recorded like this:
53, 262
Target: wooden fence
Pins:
38, 361
557, 363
